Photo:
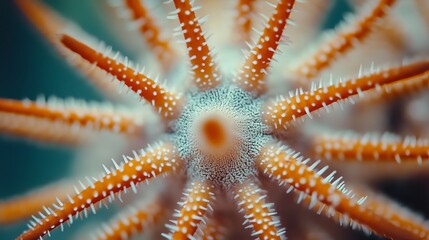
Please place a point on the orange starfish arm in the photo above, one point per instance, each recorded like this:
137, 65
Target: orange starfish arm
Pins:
251, 76
371, 147
164, 101
343, 41
22, 207
407, 86
245, 11
400, 216
50, 24
285, 166
285, 111
151, 32
158, 160
379, 205
42, 130
132, 222
206, 75
73, 114
196, 204
258, 213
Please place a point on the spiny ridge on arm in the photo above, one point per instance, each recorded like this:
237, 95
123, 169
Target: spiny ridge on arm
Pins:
12, 210
151, 32
284, 111
50, 24
287, 167
165, 102
350, 146
133, 221
343, 41
245, 12
205, 71
155, 161
257, 212
193, 210
73, 113
252, 75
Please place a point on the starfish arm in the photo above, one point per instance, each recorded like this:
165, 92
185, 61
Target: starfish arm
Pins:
155, 161
405, 87
165, 102
193, 210
42, 130
50, 24
151, 32
24, 206
391, 31
257, 213
75, 114
285, 111
309, 16
400, 216
287, 167
370, 147
132, 221
243, 19
379, 205
344, 40
252, 75
204, 68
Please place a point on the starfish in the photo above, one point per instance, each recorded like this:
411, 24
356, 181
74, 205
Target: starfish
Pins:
224, 136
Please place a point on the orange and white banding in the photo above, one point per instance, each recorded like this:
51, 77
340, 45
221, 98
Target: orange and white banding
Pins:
134, 221
22, 207
151, 32
343, 41
96, 117
155, 161
371, 147
245, 14
205, 70
193, 210
50, 24
251, 76
257, 213
284, 111
167, 103
287, 167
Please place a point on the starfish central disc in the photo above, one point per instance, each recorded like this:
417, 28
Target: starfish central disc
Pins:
220, 133
214, 132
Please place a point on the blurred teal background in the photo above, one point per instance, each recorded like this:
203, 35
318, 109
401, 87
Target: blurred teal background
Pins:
30, 67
